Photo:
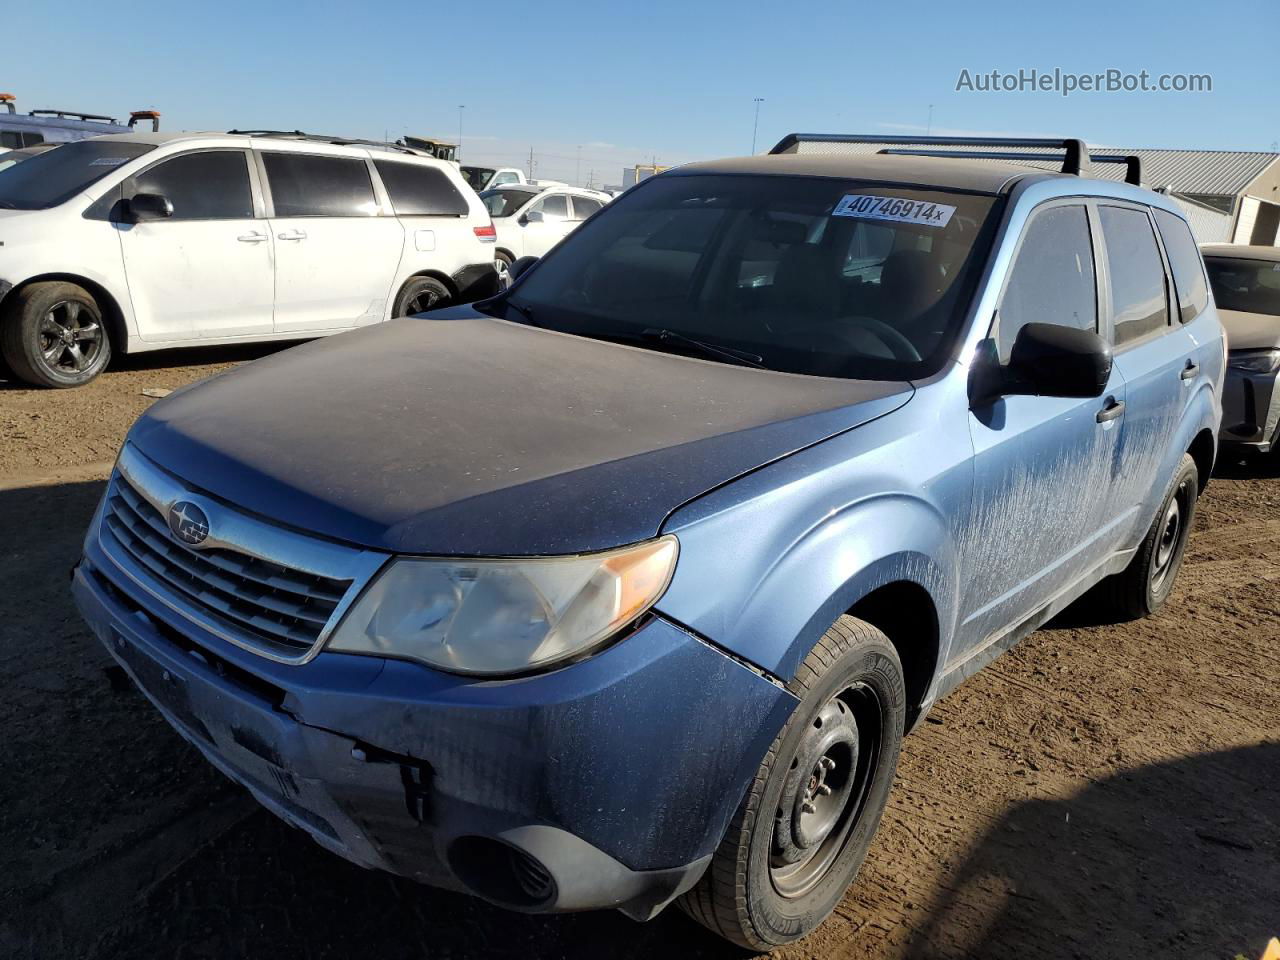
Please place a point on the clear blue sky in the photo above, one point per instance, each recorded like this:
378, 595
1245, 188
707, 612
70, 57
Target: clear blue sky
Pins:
628, 82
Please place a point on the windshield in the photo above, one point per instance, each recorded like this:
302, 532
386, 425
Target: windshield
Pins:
504, 203
58, 175
1250, 286
478, 177
810, 275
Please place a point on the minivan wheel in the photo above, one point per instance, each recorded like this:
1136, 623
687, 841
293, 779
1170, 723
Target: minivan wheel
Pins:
419, 295
1143, 587
52, 335
803, 829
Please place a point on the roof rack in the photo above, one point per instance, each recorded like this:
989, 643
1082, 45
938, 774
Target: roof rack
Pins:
336, 141
74, 115
1075, 156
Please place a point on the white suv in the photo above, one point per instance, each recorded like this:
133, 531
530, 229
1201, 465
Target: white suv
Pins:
532, 218
144, 241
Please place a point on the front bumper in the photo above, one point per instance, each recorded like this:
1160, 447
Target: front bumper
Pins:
1250, 411
612, 780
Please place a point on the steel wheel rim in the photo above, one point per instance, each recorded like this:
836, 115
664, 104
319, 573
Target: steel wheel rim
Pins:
821, 835
71, 338
1172, 529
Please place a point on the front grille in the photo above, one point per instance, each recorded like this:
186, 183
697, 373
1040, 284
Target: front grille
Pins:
273, 605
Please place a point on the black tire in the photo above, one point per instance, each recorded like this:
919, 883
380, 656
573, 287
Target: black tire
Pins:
52, 335
420, 294
503, 257
1145, 584
776, 876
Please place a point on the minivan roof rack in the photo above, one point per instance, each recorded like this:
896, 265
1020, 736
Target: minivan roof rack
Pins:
324, 138
1075, 156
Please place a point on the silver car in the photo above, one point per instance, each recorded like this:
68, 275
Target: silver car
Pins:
1246, 286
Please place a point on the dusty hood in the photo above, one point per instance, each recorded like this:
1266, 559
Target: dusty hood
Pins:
1250, 331
461, 434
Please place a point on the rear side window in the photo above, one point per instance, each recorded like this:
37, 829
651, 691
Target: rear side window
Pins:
1053, 276
554, 207
1138, 301
1184, 258
417, 190
309, 186
584, 207
211, 185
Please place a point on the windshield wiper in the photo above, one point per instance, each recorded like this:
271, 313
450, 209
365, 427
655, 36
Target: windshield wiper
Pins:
706, 349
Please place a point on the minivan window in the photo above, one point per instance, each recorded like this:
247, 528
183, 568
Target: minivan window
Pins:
1138, 297
305, 185
417, 190
1249, 286
56, 176
761, 264
1053, 279
210, 185
1184, 259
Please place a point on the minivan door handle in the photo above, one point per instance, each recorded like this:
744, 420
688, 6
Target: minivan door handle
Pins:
1190, 370
1112, 410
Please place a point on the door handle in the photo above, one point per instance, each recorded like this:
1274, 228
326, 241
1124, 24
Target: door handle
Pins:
1190, 370
292, 235
1111, 411
252, 237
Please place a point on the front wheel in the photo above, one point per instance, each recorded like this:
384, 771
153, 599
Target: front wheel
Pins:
419, 295
52, 335
804, 827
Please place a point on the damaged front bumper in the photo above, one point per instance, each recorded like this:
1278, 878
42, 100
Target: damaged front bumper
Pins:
605, 784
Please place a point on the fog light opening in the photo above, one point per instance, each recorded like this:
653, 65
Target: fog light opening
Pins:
499, 872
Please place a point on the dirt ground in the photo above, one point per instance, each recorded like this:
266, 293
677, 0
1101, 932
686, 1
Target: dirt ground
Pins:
1101, 791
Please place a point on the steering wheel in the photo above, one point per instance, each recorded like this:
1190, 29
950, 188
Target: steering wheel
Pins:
897, 344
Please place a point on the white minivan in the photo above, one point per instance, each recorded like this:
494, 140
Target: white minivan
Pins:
147, 241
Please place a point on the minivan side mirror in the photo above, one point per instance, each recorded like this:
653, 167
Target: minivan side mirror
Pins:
1047, 360
148, 206
520, 266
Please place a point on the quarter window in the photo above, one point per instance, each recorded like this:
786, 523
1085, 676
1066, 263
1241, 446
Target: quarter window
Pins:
1138, 297
212, 185
304, 185
1053, 279
1184, 258
417, 190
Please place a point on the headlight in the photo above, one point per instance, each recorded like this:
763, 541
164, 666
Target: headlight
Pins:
1261, 361
493, 617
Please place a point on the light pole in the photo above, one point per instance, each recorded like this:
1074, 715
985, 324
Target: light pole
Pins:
577, 171
928, 130
461, 107
756, 124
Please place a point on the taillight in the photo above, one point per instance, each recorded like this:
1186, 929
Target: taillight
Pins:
487, 234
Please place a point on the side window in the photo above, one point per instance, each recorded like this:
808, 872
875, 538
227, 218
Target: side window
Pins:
31, 139
417, 190
1052, 279
303, 185
211, 185
554, 207
584, 207
10, 140
1184, 258
1138, 297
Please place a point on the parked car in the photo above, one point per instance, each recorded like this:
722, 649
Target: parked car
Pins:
532, 218
127, 243
60, 126
623, 587
1246, 287
486, 178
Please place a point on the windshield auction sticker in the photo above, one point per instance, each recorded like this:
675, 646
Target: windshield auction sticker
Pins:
899, 210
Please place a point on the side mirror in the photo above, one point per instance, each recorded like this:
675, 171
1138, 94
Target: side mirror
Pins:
148, 206
520, 266
1050, 360
533, 216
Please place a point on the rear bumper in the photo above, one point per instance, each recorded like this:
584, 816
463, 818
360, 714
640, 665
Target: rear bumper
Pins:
611, 780
1250, 411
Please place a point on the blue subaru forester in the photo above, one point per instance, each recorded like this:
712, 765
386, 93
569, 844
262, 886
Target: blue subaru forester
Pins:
624, 587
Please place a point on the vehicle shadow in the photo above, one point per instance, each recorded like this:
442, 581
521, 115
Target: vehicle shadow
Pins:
1251, 467
1177, 859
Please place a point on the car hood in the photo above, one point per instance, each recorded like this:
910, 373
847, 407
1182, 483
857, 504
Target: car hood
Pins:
464, 435
1250, 331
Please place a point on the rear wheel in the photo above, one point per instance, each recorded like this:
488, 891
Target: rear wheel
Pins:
419, 295
804, 827
52, 335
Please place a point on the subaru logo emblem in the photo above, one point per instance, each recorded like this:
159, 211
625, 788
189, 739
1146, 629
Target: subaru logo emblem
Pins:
188, 523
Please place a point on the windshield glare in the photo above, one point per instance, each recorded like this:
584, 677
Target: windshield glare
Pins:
820, 276
58, 175
1249, 286
504, 203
